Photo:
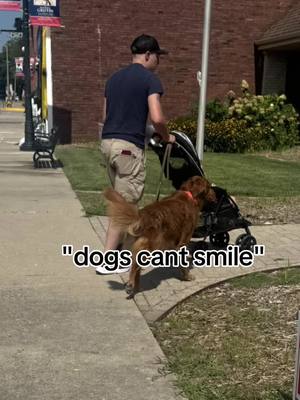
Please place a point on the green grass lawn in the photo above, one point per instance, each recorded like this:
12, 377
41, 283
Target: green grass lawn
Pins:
253, 175
240, 174
236, 341
85, 169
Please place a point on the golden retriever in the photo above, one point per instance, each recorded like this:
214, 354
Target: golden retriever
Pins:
163, 225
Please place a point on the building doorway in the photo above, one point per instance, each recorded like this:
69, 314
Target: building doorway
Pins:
292, 85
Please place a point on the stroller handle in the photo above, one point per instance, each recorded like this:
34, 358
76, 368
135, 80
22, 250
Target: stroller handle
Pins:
156, 141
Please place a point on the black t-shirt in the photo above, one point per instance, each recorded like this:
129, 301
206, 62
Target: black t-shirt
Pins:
126, 95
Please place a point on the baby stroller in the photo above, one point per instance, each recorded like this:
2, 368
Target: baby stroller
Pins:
219, 218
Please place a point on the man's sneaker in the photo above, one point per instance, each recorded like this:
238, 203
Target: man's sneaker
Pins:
104, 271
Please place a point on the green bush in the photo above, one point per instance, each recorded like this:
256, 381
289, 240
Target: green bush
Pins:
276, 120
231, 136
188, 125
216, 111
245, 123
227, 136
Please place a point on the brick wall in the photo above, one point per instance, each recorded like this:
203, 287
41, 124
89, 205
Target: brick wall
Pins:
97, 34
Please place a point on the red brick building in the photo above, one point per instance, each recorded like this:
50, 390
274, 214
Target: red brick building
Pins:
97, 34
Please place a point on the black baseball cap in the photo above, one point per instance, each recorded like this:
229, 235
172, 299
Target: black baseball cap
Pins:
145, 43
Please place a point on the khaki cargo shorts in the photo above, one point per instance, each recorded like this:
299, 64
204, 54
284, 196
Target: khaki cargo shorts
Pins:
126, 167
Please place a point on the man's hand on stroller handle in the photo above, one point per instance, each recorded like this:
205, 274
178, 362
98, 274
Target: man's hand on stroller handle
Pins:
158, 138
171, 139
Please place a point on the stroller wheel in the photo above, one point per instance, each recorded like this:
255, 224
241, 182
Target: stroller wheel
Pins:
219, 239
245, 241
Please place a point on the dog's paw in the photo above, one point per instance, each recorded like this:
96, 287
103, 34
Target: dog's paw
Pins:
190, 277
130, 296
128, 287
129, 290
187, 276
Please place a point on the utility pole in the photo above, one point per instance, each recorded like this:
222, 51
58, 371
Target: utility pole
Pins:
29, 129
7, 72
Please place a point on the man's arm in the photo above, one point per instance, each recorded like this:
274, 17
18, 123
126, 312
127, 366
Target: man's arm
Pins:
158, 119
104, 110
103, 118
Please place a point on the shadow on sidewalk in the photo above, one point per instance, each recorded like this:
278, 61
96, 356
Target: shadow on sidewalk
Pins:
151, 278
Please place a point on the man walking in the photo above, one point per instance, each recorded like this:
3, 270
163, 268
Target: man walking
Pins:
131, 96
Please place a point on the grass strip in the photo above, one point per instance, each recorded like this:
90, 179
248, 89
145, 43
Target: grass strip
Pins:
236, 341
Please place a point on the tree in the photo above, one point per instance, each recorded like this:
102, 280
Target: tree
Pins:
14, 50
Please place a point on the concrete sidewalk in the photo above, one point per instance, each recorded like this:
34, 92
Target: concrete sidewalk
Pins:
161, 289
66, 333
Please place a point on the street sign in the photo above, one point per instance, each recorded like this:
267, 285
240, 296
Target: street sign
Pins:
19, 67
44, 13
19, 61
297, 367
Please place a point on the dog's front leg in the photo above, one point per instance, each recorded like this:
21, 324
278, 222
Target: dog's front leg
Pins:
185, 272
133, 285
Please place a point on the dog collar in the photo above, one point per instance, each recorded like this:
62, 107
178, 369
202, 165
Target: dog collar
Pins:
190, 195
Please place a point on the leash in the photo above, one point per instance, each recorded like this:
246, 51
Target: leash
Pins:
166, 159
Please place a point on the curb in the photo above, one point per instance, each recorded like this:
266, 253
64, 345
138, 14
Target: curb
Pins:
13, 109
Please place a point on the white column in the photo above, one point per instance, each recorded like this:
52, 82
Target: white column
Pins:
203, 86
49, 79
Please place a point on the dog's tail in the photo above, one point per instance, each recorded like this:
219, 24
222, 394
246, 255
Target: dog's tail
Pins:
124, 215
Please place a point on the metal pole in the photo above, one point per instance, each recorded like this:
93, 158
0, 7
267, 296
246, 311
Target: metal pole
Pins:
15, 86
7, 73
49, 84
203, 87
29, 129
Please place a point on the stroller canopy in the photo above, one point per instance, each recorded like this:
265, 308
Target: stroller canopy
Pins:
183, 161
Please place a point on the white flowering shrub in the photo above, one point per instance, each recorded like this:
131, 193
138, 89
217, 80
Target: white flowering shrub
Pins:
275, 121
244, 123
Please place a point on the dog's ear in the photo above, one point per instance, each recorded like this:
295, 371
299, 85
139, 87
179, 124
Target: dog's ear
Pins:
211, 196
201, 187
195, 185
187, 185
